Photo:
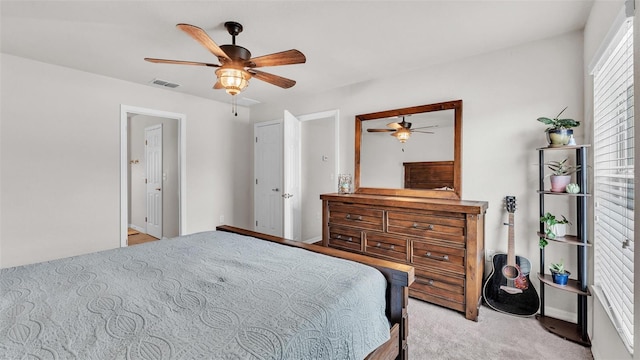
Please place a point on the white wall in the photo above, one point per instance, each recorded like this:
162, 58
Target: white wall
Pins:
317, 173
503, 94
60, 170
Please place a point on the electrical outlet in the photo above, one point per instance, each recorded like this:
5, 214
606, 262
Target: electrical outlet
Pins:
221, 219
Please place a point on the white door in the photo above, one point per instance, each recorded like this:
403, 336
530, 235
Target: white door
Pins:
153, 153
292, 194
268, 153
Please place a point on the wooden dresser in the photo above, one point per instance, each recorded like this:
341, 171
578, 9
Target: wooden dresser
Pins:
442, 239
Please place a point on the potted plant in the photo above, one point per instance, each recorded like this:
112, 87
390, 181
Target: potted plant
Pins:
553, 227
559, 131
560, 174
559, 274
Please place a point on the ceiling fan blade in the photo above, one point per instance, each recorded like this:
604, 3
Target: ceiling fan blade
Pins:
394, 125
288, 57
380, 130
272, 79
218, 86
423, 132
179, 62
425, 127
201, 36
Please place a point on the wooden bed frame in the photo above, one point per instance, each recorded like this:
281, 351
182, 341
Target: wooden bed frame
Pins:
428, 175
398, 276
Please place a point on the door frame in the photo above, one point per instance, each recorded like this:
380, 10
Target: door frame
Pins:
125, 112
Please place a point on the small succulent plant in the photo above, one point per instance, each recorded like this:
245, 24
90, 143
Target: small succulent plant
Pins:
557, 268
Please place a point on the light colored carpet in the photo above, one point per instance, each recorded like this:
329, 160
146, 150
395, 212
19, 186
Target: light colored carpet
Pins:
439, 333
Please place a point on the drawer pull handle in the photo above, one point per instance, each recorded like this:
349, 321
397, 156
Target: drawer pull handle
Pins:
391, 247
354, 218
429, 227
430, 282
339, 237
439, 258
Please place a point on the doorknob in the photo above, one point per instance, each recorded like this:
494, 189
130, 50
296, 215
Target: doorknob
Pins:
158, 189
286, 196
276, 189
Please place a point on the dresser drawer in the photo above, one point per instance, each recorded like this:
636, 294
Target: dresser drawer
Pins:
438, 256
354, 215
387, 246
345, 238
433, 283
449, 228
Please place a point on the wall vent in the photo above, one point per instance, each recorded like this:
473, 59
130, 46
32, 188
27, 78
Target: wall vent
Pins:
164, 83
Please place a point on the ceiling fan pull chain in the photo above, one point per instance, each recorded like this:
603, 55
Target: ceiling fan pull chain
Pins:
234, 105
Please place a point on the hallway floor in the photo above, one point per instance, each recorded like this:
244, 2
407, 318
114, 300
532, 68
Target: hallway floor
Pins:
135, 237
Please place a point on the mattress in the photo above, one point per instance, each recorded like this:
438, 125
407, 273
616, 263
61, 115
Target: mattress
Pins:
210, 295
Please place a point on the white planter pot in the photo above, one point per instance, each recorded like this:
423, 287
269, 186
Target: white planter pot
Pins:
559, 229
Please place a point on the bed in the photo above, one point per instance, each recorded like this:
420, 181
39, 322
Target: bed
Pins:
428, 175
224, 294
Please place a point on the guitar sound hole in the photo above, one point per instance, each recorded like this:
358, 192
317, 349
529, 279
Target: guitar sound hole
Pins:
510, 272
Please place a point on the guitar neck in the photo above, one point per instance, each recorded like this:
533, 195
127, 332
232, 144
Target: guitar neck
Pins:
511, 249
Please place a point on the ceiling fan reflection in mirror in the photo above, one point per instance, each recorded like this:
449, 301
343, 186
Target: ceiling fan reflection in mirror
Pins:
402, 130
237, 66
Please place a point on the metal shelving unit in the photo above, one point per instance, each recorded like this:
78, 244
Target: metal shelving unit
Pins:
576, 332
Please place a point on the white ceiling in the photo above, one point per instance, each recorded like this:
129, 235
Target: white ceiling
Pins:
345, 42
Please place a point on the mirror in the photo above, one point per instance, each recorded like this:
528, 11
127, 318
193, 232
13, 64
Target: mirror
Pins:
426, 164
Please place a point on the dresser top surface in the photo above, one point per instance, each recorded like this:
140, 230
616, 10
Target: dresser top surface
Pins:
464, 206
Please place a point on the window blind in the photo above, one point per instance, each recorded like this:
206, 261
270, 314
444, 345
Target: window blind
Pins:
614, 180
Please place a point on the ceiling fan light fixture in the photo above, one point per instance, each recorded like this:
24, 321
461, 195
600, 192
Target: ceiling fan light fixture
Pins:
233, 80
402, 134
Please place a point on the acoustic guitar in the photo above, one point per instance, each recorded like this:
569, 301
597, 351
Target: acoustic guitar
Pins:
508, 288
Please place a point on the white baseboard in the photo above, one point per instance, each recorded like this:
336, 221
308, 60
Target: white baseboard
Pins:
560, 314
312, 240
138, 228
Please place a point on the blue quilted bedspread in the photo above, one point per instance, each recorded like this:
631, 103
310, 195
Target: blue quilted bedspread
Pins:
212, 295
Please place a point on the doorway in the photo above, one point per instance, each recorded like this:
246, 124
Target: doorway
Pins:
172, 181
316, 156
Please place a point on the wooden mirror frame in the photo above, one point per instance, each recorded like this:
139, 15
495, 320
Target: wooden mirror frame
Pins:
456, 193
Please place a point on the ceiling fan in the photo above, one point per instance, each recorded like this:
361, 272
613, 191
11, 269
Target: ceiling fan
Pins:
402, 130
236, 64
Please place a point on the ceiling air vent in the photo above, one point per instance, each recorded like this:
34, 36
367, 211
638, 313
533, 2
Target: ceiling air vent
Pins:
164, 83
